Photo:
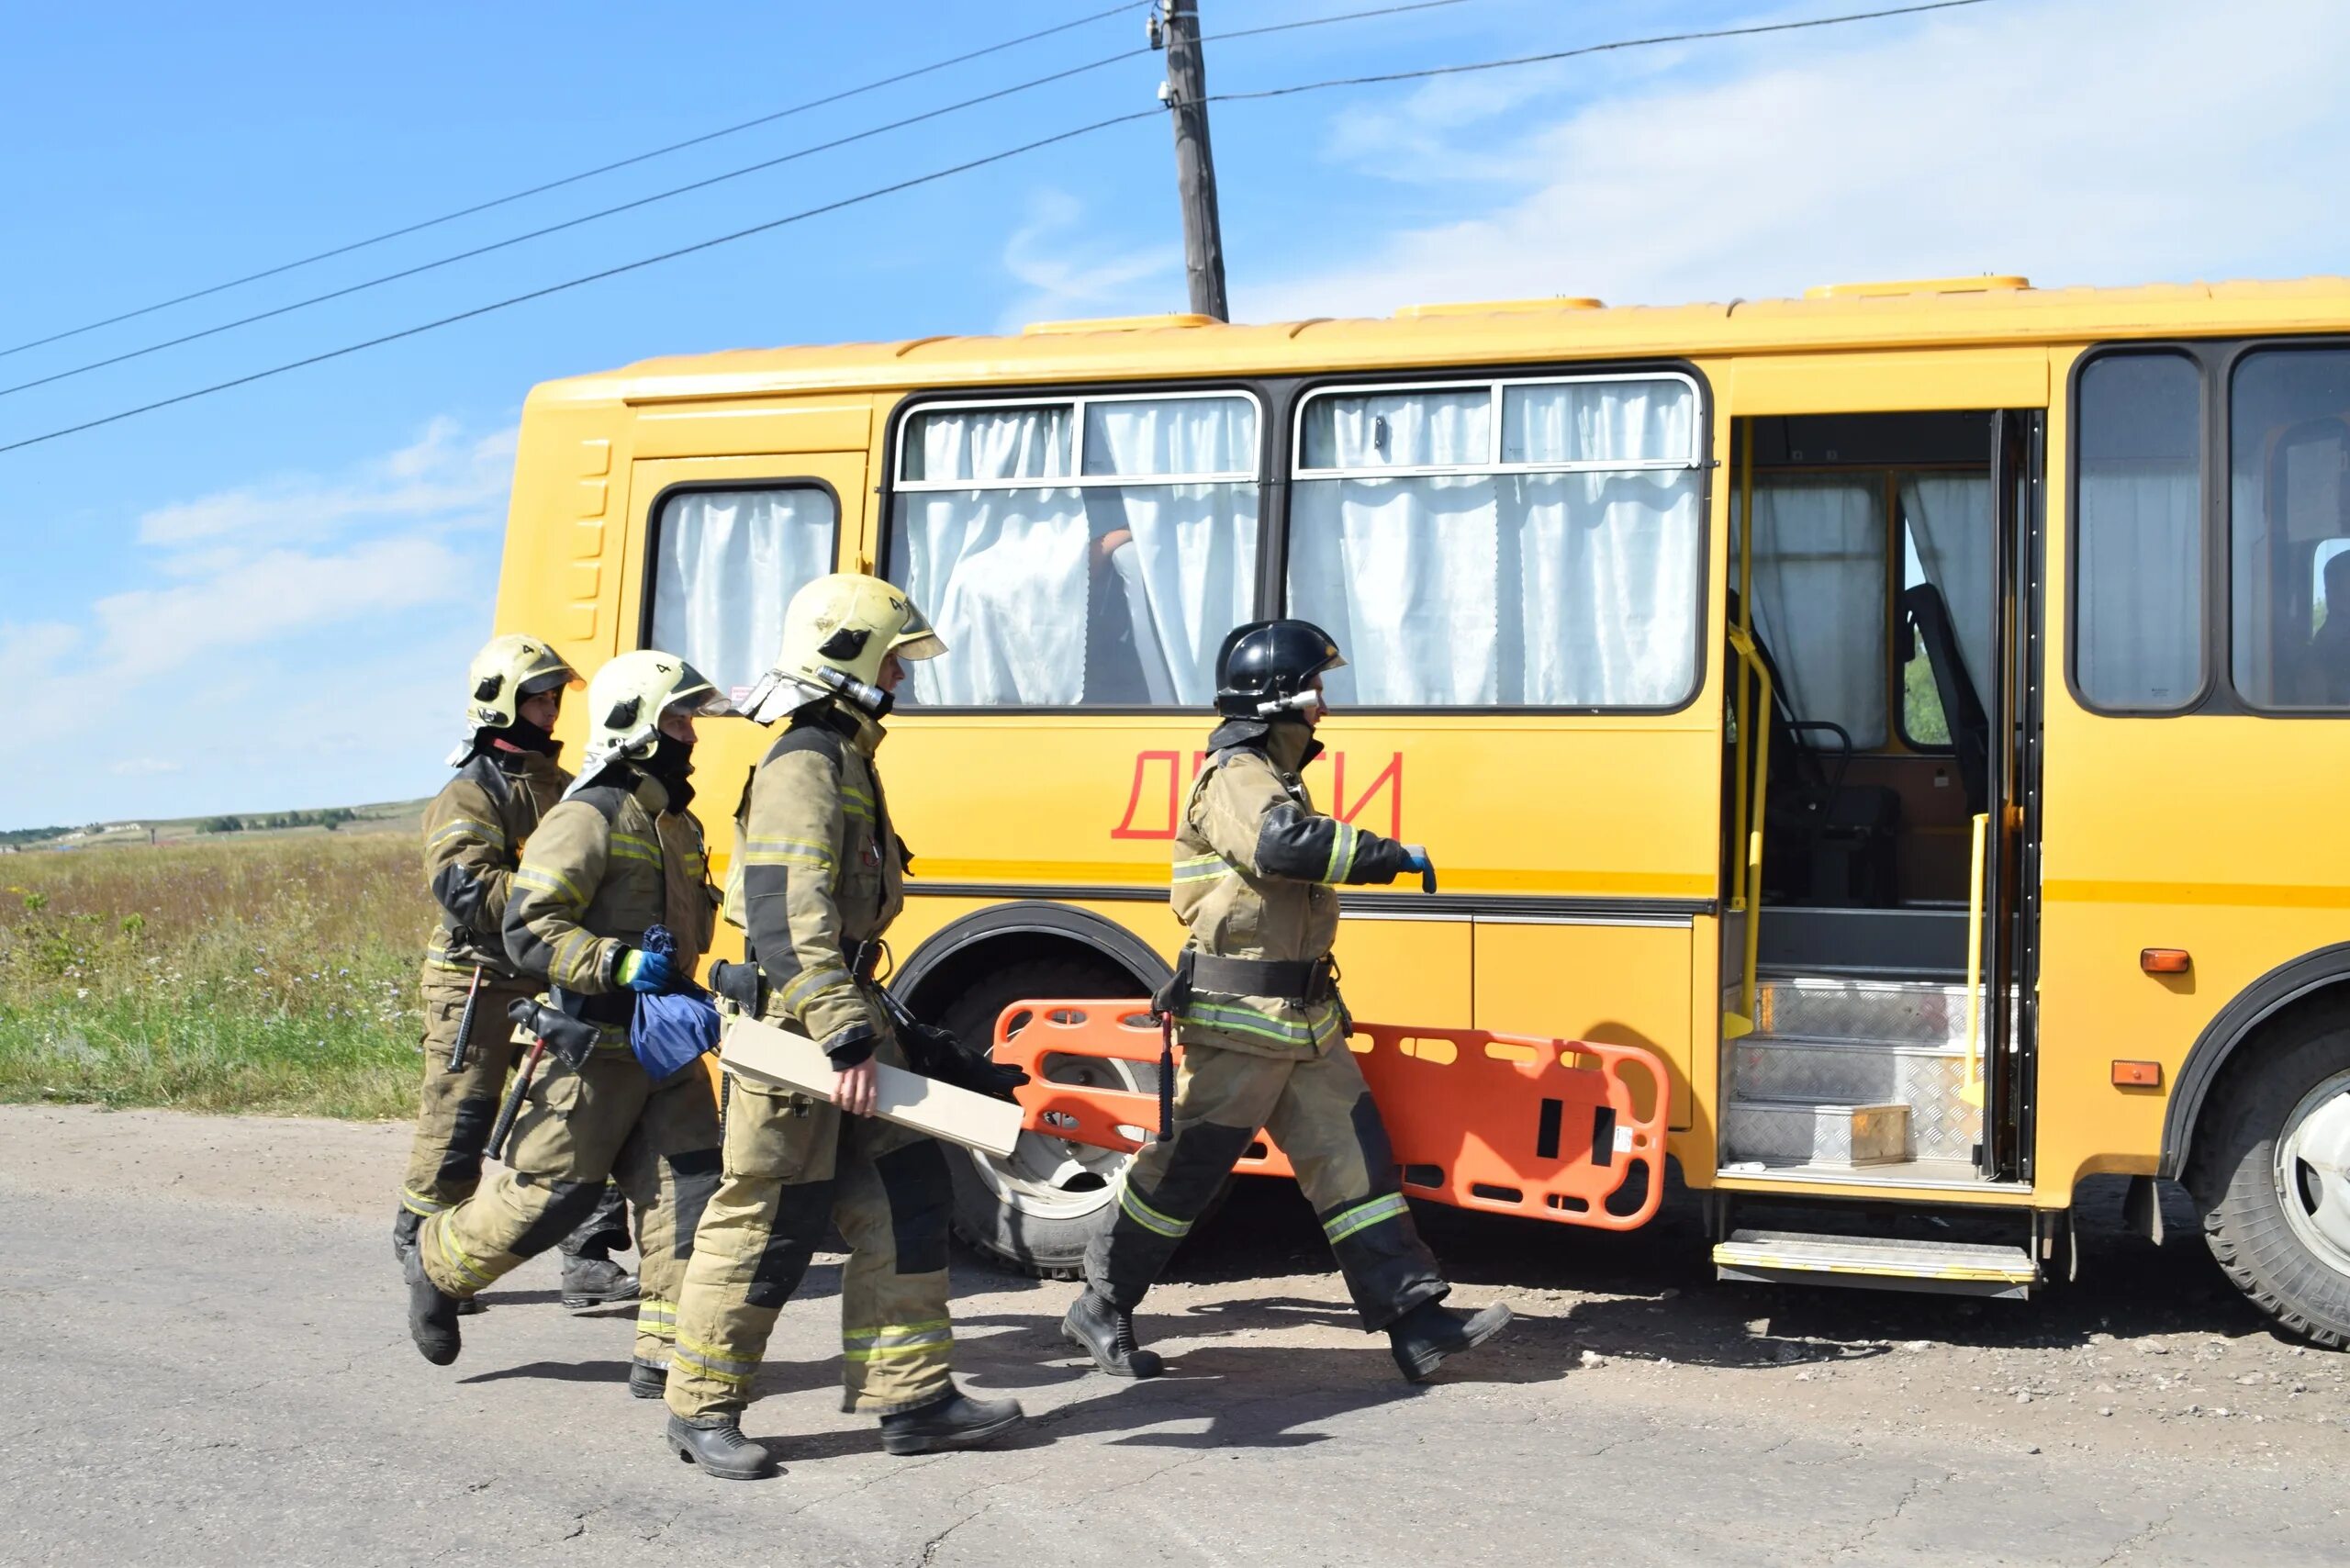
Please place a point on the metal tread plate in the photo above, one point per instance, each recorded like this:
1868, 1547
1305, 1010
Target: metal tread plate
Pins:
1806, 1253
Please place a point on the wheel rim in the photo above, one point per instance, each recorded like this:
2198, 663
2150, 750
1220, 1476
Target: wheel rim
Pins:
2312, 1172
1050, 1177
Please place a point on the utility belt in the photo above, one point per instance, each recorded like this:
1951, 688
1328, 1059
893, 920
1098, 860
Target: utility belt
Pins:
745, 984
1301, 980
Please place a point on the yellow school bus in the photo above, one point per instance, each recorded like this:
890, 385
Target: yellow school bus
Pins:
1911, 711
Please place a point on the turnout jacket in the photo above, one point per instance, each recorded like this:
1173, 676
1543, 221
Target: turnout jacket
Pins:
474, 833
1255, 875
819, 871
609, 861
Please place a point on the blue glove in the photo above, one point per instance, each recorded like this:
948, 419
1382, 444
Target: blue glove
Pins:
1420, 862
642, 970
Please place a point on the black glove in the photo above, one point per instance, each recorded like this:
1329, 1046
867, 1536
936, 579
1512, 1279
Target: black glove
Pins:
937, 1054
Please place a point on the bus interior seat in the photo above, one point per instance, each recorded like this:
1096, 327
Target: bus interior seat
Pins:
1924, 614
1826, 842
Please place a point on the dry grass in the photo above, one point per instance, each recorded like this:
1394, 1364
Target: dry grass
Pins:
273, 976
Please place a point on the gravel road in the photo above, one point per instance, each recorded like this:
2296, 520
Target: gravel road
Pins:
209, 1365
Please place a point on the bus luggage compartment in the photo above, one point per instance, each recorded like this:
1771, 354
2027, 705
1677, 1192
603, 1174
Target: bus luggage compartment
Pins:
1504, 1123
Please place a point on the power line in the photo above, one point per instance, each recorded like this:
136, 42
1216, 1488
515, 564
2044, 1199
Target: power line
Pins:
539, 233
540, 189
944, 173
542, 232
1592, 49
637, 265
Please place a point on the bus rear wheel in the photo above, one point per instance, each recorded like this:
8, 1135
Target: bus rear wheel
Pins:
1037, 1210
2273, 1178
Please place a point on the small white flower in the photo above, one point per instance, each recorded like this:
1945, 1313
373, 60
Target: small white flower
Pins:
82, 993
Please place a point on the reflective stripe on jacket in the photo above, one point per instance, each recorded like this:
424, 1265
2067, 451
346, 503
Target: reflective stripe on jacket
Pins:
1255, 875
819, 872
474, 834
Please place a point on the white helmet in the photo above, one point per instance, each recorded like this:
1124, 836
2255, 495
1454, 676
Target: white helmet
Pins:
837, 632
627, 698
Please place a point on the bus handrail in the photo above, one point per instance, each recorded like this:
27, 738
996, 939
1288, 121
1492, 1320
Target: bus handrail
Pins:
1970, 1088
1742, 1022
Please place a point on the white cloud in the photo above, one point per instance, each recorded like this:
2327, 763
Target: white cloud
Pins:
440, 475
316, 618
2063, 141
1067, 273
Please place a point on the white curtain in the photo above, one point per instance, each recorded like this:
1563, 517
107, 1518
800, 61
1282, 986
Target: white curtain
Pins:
1549, 589
729, 561
1002, 574
1950, 516
1011, 577
2138, 582
1819, 591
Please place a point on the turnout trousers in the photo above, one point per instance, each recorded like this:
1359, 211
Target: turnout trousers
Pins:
659, 1142
1319, 1110
792, 1164
455, 1110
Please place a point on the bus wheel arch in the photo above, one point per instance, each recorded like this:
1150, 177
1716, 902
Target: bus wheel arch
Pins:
2268, 1165
1036, 1211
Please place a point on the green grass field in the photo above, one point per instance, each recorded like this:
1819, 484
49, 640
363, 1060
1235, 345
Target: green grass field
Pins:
272, 973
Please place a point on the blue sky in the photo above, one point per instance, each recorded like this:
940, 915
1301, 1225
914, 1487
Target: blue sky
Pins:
262, 601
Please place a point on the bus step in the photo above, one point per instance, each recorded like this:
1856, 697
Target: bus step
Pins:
1814, 1132
1875, 1263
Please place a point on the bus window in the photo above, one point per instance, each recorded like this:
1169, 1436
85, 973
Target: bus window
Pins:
1924, 725
2288, 510
1075, 551
1499, 544
2138, 569
725, 562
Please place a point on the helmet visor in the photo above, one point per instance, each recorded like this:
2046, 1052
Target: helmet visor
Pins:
916, 639
696, 698
549, 680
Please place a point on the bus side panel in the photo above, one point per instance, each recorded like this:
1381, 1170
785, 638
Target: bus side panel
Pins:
2220, 834
565, 523
1623, 985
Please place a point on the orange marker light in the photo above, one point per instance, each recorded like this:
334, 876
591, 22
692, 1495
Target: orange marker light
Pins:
2164, 960
2138, 1074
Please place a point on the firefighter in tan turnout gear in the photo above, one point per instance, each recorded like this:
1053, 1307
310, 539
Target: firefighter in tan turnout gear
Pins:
1255, 1005
474, 831
817, 877
617, 856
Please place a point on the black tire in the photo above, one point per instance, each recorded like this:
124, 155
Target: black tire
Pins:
1050, 1245
2235, 1178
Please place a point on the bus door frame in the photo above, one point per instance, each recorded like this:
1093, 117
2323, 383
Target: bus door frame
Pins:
2012, 894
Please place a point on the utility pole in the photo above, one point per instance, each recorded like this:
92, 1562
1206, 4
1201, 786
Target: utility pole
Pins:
1185, 94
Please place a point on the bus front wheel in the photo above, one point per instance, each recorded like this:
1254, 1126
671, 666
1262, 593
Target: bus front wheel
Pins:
2273, 1177
1037, 1210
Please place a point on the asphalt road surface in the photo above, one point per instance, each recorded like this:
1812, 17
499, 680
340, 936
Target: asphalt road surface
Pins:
207, 1363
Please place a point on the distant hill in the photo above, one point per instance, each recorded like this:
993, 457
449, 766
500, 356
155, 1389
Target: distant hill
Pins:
385, 816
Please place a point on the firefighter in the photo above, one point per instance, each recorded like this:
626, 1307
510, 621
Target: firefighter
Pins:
619, 854
1255, 1005
817, 881
507, 778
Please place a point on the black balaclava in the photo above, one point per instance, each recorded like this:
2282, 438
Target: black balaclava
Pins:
672, 759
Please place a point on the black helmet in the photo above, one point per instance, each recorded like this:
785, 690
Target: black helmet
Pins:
1264, 666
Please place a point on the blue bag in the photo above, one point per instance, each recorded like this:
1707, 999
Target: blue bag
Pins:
670, 1029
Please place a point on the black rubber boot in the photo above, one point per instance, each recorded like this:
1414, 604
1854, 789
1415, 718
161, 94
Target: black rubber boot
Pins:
596, 1281
432, 1315
1431, 1331
404, 1228
1108, 1335
955, 1421
646, 1380
718, 1445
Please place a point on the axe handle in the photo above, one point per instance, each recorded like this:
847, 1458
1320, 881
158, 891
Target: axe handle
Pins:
507, 1112
458, 1052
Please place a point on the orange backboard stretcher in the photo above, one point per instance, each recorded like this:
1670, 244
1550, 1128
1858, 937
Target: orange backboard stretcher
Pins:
1507, 1124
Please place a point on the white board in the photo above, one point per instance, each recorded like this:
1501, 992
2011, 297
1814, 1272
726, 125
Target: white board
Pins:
776, 1059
